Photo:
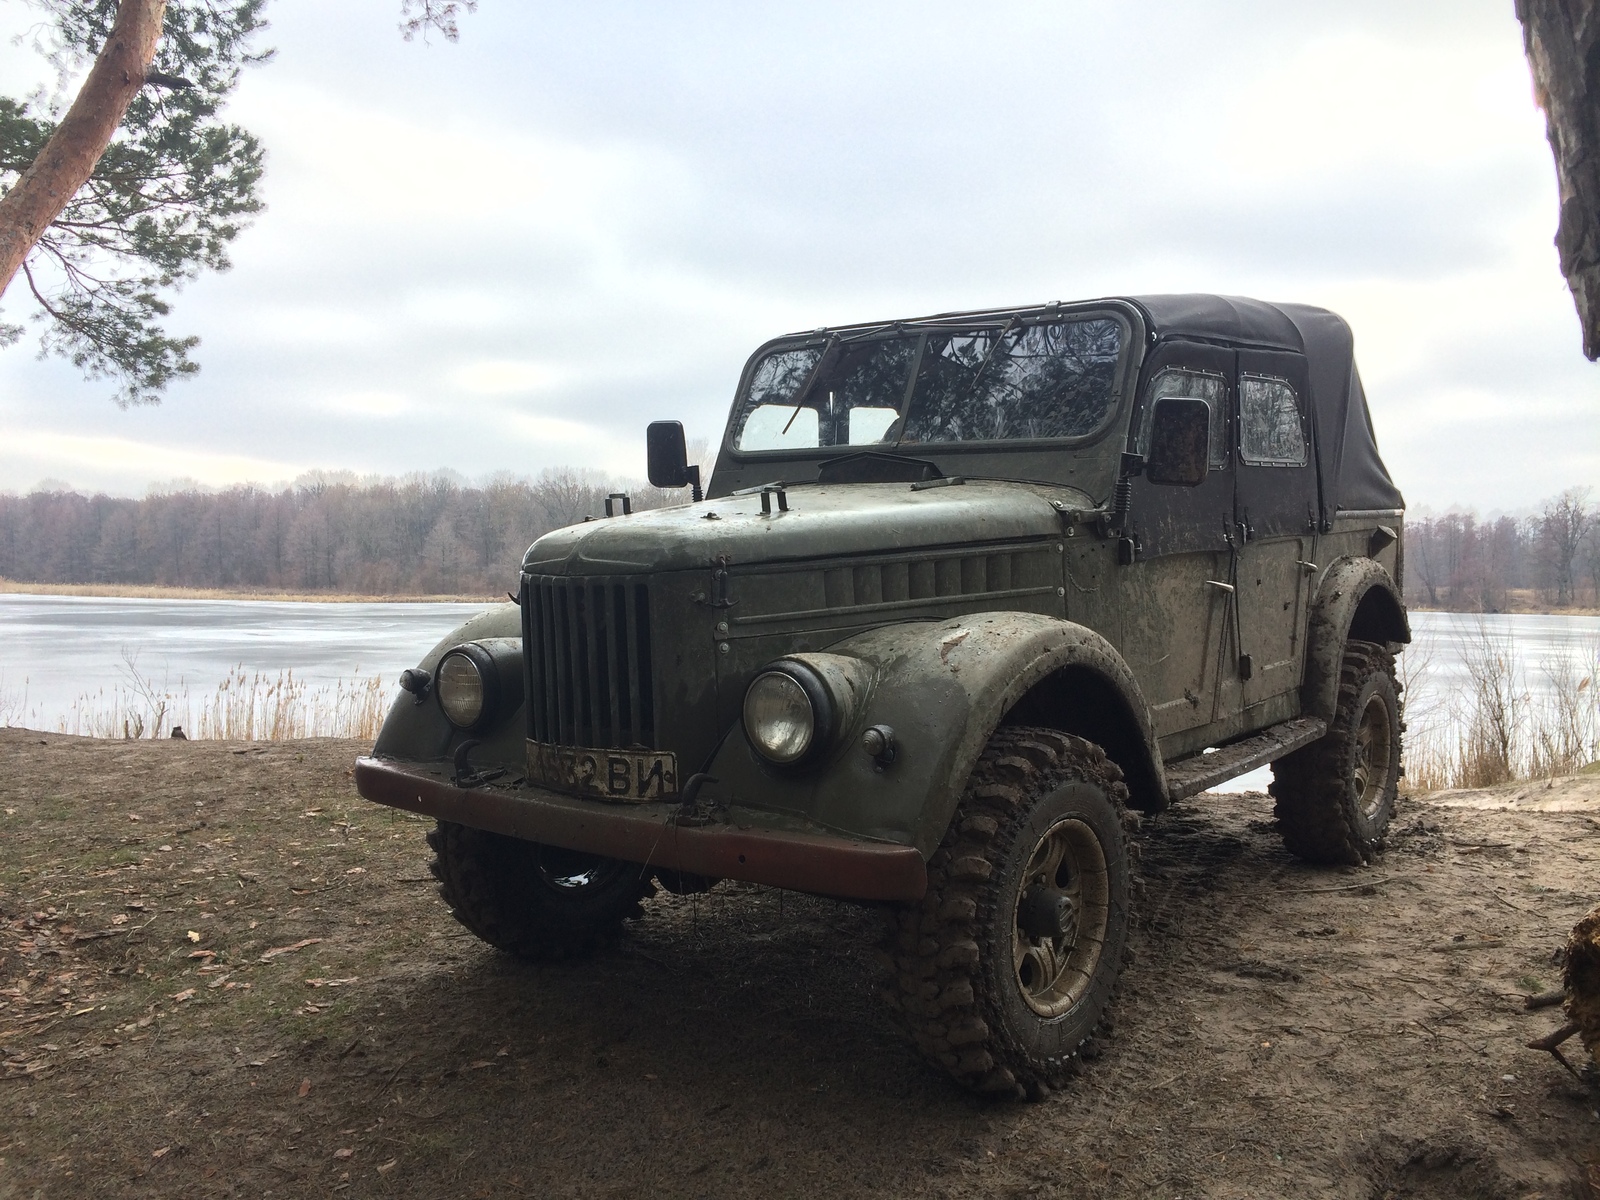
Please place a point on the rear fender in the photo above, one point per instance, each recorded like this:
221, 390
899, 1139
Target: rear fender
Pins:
942, 688
1356, 597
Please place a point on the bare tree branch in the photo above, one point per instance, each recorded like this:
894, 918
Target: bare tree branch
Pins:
419, 16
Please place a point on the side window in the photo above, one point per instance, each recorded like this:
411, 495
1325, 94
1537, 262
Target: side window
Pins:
1271, 431
1196, 385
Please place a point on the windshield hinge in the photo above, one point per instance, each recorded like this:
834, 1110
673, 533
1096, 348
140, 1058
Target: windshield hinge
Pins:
718, 597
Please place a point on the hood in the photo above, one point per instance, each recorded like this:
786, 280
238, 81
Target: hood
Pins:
832, 520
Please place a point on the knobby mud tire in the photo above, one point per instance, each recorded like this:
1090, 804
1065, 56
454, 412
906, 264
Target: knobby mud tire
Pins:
1319, 811
948, 984
504, 890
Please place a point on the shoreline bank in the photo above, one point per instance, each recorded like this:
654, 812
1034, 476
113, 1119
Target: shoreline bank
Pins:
140, 591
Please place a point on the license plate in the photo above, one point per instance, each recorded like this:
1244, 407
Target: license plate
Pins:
630, 776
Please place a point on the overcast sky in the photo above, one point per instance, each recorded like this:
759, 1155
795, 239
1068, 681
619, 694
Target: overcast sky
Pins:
513, 252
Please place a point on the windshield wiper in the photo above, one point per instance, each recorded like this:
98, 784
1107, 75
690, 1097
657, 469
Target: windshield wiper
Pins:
811, 381
1005, 332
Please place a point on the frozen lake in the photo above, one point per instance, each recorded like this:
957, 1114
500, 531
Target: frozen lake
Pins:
56, 650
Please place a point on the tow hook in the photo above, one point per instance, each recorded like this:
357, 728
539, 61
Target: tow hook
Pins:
465, 776
689, 813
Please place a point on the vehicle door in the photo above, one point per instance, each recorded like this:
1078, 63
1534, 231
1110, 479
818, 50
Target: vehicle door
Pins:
1275, 513
1174, 593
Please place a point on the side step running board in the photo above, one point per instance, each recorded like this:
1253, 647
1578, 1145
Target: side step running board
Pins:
1195, 774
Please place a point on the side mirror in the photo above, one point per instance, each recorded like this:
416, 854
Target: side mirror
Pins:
668, 458
1180, 442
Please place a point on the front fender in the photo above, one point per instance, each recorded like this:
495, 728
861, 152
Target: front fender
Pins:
418, 730
943, 688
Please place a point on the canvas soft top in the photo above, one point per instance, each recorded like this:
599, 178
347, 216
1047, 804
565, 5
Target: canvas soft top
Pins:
1350, 471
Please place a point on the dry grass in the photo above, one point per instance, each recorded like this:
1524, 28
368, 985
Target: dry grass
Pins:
140, 591
245, 706
1497, 728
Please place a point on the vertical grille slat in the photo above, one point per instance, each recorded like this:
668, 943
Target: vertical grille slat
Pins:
593, 616
630, 605
573, 734
547, 677
614, 666
587, 643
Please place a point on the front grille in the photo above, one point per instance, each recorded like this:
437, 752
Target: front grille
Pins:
587, 646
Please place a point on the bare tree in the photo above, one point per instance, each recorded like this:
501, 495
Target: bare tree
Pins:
1562, 527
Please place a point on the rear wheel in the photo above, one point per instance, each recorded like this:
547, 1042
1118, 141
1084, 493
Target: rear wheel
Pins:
1006, 967
1335, 797
537, 902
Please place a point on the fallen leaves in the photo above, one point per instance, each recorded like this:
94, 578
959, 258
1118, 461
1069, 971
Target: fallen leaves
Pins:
317, 983
343, 1153
193, 935
305, 1089
186, 994
273, 953
161, 1153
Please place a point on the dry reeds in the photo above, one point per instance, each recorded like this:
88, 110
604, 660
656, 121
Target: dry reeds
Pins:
1497, 729
246, 706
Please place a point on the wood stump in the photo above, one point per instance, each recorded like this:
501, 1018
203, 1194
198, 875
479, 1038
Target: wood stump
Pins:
1583, 981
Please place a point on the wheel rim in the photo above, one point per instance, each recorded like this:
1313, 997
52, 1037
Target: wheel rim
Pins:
1374, 753
569, 870
1062, 913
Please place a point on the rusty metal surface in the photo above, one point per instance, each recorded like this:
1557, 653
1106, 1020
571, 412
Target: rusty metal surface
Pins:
806, 862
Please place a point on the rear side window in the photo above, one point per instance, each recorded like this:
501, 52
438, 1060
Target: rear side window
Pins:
1195, 385
1272, 432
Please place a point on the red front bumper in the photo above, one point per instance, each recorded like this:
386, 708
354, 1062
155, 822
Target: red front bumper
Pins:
804, 862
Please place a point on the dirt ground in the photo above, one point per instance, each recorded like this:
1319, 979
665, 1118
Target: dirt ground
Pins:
222, 973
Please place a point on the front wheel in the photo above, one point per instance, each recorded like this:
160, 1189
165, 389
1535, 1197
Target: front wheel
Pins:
537, 902
1006, 967
1335, 797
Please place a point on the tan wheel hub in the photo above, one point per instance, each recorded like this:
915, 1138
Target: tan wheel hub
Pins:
1062, 912
1374, 751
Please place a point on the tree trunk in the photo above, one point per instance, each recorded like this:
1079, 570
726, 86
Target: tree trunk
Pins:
69, 157
1562, 39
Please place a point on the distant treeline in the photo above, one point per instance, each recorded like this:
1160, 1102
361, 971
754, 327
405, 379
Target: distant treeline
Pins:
437, 535
417, 535
1457, 561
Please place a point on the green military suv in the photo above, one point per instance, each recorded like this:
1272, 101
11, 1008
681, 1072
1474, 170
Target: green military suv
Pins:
963, 595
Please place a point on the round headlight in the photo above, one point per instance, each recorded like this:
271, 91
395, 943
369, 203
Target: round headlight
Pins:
780, 717
461, 689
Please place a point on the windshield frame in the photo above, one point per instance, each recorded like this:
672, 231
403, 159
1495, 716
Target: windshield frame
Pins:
1124, 378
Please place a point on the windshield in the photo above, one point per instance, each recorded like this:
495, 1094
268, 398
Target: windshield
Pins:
990, 383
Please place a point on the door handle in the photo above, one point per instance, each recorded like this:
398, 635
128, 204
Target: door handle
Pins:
1310, 568
1219, 585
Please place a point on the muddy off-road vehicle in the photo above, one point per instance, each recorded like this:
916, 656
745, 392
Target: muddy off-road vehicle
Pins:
963, 595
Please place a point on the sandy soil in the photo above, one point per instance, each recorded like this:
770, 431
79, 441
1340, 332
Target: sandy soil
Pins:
221, 973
